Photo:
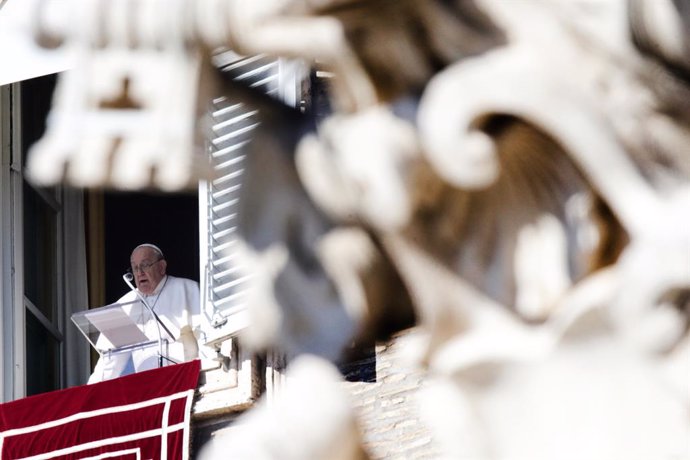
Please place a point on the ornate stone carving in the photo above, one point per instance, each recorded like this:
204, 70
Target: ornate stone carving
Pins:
534, 201
516, 173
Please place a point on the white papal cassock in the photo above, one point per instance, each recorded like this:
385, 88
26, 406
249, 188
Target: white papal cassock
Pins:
176, 302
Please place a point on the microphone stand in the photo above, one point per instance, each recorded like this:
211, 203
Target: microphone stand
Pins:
128, 277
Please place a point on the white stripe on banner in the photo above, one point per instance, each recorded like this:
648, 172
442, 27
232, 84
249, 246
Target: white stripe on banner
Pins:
121, 425
96, 413
104, 442
187, 422
164, 431
118, 453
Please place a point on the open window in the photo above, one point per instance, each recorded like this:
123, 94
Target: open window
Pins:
43, 263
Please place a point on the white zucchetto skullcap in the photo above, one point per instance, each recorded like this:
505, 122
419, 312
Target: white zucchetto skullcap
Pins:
152, 246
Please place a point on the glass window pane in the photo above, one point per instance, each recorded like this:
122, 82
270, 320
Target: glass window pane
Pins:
40, 267
42, 361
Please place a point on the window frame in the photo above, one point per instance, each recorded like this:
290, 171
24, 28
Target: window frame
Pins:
15, 304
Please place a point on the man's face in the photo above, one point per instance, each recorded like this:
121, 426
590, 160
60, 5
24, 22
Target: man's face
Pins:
148, 269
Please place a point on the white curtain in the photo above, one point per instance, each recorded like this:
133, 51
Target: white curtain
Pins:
75, 287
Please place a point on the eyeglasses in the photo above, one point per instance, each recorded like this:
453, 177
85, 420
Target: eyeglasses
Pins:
144, 266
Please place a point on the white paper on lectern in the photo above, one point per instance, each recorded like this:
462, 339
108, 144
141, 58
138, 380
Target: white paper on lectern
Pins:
117, 327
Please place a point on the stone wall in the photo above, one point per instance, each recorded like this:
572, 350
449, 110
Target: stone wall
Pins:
387, 407
383, 385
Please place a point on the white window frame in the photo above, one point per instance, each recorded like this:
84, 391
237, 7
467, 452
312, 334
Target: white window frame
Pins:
13, 361
7, 248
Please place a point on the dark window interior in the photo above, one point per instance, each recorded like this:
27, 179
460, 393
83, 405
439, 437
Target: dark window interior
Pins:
168, 220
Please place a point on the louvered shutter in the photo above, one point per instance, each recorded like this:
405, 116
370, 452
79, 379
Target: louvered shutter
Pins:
222, 285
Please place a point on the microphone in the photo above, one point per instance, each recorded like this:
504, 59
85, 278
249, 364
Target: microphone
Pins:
128, 278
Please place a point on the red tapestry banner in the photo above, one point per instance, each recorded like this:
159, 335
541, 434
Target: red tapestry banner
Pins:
139, 416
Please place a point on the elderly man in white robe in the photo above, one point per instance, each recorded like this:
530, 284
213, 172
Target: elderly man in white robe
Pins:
174, 300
